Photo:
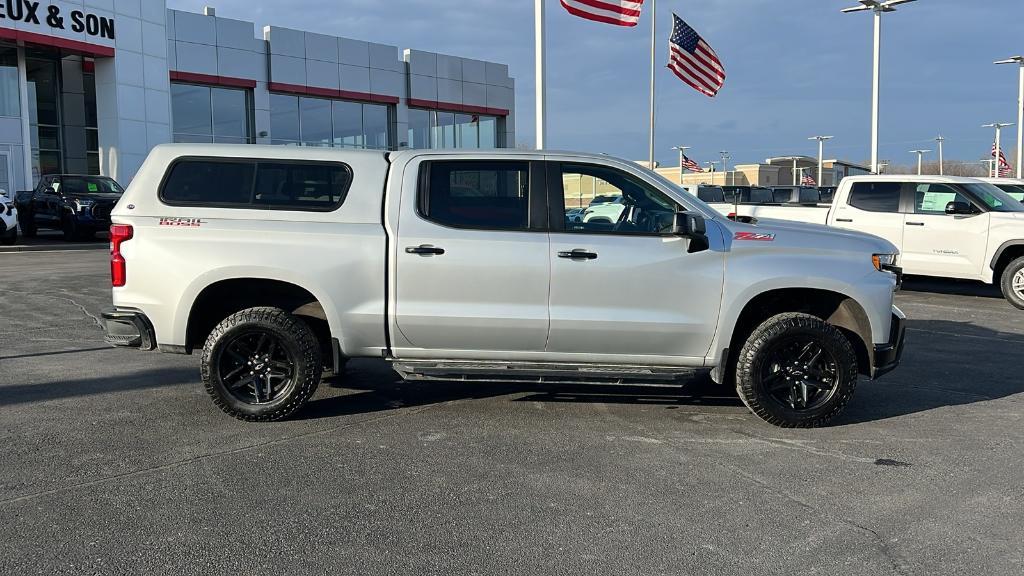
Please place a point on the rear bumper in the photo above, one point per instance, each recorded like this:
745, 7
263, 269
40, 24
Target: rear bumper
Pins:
128, 328
887, 356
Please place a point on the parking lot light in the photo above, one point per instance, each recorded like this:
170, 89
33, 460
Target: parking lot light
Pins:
821, 155
876, 6
997, 153
920, 156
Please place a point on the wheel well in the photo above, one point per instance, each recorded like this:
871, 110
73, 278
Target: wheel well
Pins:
1009, 255
837, 309
222, 299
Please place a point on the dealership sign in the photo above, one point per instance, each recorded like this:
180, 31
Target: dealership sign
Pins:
51, 16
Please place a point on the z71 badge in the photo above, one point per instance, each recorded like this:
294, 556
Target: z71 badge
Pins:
755, 236
182, 222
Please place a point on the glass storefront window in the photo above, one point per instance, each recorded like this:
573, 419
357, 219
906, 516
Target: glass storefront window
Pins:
375, 126
438, 129
206, 114
315, 121
444, 133
467, 126
10, 96
488, 132
44, 116
348, 124
419, 128
322, 122
284, 119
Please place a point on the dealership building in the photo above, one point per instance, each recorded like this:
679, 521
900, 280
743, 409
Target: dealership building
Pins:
90, 86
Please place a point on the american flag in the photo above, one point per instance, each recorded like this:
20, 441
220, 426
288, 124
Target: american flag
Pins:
691, 165
1005, 170
617, 12
693, 61
808, 180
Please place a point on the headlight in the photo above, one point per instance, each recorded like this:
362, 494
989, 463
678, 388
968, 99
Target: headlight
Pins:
883, 261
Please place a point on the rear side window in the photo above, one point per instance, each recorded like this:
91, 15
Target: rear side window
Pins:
809, 196
305, 186
782, 195
489, 195
876, 196
711, 194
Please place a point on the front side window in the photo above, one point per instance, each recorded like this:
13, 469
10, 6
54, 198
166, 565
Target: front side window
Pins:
615, 202
1013, 190
486, 195
932, 198
876, 196
308, 186
995, 199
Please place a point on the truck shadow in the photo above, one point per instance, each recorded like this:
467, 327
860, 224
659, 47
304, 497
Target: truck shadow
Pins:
945, 364
951, 287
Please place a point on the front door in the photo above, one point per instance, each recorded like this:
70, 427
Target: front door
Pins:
471, 259
625, 291
940, 244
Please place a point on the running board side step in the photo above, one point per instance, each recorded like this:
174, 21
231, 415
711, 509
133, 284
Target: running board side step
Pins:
540, 372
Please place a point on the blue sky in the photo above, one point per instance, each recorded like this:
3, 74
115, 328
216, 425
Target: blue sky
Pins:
792, 73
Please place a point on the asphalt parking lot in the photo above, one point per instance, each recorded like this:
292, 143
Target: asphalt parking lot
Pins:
115, 461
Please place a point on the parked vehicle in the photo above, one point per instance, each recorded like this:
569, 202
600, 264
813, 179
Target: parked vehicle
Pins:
275, 261
748, 195
944, 226
608, 210
8, 220
574, 214
1012, 186
807, 195
79, 205
706, 192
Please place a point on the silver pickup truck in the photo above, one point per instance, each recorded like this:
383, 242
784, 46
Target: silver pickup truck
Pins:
276, 263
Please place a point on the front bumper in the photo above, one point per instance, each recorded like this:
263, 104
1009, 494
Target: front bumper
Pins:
886, 357
128, 328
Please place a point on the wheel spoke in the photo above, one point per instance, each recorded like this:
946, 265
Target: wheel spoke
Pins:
260, 342
231, 375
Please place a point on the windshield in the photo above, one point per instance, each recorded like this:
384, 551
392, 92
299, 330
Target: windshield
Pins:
995, 199
689, 200
1015, 191
86, 185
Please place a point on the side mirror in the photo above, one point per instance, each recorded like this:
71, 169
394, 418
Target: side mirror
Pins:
953, 208
691, 225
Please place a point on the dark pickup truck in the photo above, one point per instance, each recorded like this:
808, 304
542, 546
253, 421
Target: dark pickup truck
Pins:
79, 205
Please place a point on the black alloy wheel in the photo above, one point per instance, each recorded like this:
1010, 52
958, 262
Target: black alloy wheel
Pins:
256, 368
800, 374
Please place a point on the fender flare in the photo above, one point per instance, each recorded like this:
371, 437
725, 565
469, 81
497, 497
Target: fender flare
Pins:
1002, 250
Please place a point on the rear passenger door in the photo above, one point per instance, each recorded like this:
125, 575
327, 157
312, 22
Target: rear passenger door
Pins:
471, 261
875, 208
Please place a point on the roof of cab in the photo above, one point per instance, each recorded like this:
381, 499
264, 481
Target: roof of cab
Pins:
931, 178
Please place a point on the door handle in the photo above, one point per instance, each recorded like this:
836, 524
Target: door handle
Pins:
915, 223
578, 254
425, 250
844, 219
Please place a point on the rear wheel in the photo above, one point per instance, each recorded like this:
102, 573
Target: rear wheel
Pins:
796, 371
1012, 283
261, 364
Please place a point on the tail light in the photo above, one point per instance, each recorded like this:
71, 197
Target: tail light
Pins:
118, 271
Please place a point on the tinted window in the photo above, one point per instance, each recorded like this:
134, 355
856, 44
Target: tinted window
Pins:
809, 196
301, 186
486, 195
782, 195
251, 184
876, 196
199, 182
711, 194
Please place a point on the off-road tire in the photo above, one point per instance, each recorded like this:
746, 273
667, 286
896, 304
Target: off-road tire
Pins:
10, 238
69, 227
298, 340
1006, 283
752, 355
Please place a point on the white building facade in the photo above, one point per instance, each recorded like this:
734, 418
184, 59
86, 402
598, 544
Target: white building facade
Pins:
90, 86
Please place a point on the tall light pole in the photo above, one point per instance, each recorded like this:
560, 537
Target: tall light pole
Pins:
682, 153
997, 153
940, 140
711, 167
877, 7
1019, 60
725, 166
540, 63
920, 156
882, 165
821, 155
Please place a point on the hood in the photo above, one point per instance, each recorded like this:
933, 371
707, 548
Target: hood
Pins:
792, 233
1018, 216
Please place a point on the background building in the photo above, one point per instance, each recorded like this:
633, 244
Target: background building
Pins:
96, 89
779, 171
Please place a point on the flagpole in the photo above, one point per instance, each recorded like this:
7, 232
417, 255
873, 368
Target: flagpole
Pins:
654, 20
539, 68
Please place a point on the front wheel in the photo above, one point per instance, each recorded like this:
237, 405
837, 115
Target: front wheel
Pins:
27, 224
796, 371
69, 226
261, 364
1012, 283
11, 237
